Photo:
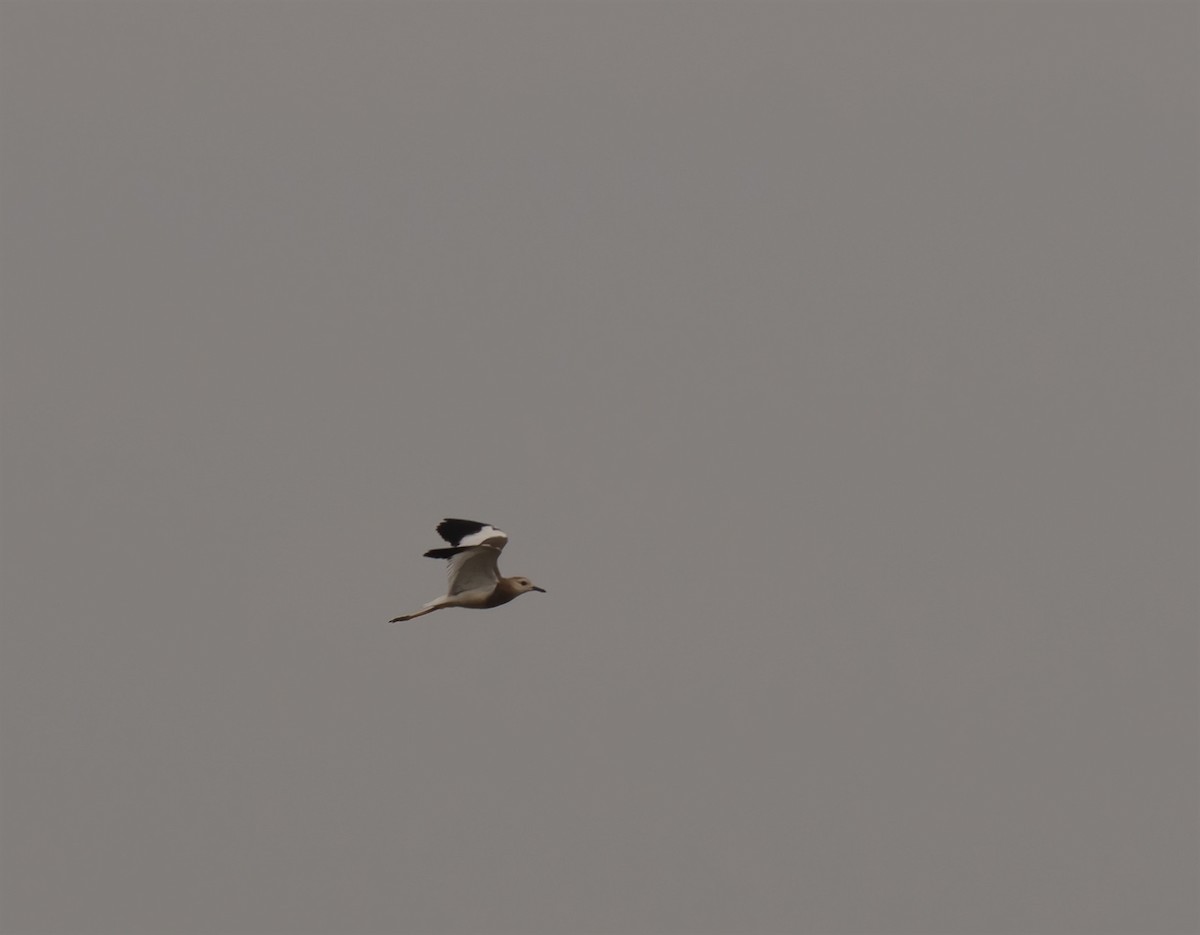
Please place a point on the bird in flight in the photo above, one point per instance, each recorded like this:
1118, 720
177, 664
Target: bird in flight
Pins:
471, 567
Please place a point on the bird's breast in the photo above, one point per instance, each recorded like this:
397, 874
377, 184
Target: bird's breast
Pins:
503, 593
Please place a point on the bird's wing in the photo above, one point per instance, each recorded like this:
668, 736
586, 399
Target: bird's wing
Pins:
469, 567
461, 532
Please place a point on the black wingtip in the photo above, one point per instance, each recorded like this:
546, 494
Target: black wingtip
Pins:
447, 553
455, 530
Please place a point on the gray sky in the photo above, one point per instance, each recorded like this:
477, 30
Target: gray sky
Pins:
833, 366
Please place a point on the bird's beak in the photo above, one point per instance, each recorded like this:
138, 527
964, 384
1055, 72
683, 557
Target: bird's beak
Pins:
536, 588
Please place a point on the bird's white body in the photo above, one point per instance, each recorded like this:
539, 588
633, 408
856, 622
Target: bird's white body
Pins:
475, 580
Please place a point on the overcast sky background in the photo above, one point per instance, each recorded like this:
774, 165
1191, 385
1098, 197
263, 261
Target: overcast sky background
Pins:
832, 365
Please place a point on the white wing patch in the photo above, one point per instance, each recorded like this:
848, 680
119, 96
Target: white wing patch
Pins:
488, 535
472, 569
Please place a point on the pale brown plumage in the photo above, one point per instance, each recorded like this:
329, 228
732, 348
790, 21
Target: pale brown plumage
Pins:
475, 580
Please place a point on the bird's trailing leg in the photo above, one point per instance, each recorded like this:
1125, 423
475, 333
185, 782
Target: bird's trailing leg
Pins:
420, 613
